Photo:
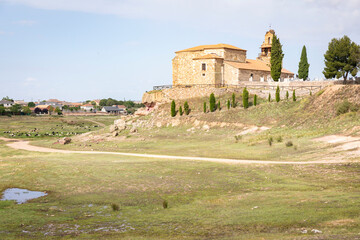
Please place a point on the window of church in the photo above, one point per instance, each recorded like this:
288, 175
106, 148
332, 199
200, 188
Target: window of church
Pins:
203, 66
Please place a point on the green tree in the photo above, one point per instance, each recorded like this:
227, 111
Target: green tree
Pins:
277, 94
26, 110
245, 98
342, 58
277, 56
228, 104
204, 107
218, 105
212, 101
181, 111
51, 109
269, 97
186, 108
255, 100
2, 110
31, 104
287, 94
8, 99
58, 111
15, 109
294, 96
233, 103
102, 102
173, 109
303, 71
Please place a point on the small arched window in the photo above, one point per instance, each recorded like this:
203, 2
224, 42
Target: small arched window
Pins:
269, 40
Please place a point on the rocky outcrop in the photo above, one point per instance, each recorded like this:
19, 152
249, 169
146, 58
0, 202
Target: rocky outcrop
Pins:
65, 140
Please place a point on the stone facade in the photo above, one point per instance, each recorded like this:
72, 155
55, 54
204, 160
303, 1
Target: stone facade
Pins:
223, 64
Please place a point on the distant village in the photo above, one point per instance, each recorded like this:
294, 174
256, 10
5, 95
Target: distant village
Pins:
108, 106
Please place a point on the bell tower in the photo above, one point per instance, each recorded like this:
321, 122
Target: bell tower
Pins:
265, 54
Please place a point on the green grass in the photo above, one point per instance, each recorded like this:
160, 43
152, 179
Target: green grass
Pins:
205, 200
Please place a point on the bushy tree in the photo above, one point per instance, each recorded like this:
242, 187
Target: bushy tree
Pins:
277, 94
204, 107
287, 94
228, 104
294, 96
26, 110
15, 109
180, 111
212, 102
186, 108
2, 110
31, 104
269, 97
173, 109
245, 98
58, 111
277, 56
303, 65
51, 109
233, 102
255, 100
342, 58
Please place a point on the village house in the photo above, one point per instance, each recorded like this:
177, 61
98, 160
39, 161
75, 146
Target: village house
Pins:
223, 64
87, 107
115, 109
6, 103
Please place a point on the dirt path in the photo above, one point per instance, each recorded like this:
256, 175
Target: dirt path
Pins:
24, 145
96, 122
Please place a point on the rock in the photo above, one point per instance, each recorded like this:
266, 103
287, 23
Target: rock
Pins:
120, 124
114, 134
206, 127
175, 122
133, 130
304, 231
196, 123
158, 124
316, 231
65, 140
113, 128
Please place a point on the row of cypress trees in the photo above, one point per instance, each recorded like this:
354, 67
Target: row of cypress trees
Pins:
181, 111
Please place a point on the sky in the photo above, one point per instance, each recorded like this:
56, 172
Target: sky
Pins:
77, 50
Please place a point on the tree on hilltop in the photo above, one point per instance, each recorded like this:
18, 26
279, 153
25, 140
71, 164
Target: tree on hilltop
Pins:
342, 58
212, 101
303, 65
276, 59
245, 97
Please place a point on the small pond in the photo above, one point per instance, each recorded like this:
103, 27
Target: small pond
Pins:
20, 195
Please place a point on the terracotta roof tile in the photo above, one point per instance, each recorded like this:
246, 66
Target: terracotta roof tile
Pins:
251, 64
215, 46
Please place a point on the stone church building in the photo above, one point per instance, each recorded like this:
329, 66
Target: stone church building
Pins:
223, 64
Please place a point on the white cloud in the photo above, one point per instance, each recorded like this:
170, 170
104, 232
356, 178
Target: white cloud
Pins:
25, 22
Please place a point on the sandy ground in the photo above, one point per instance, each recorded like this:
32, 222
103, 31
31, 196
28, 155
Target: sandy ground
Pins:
24, 145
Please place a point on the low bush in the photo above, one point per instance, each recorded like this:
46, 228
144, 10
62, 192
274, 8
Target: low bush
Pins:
289, 144
345, 107
115, 207
237, 138
279, 139
165, 204
270, 141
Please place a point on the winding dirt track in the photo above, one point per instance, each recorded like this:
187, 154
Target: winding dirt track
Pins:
24, 145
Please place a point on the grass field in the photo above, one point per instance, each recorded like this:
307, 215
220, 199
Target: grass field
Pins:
206, 200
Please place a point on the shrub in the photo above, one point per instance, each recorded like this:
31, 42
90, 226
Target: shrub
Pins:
270, 141
279, 139
204, 107
218, 105
277, 94
115, 207
255, 100
181, 111
233, 103
345, 107
212, 102
173, 109
237, 138
245, 98
294, 97
165, 204
186, 108
310, 93
287, 94
269, 98
289, 144
228, 104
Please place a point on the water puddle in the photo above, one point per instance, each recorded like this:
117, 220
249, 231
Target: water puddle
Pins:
21, 195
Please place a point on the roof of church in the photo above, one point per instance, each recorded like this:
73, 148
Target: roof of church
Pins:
209, 56
251, 64
215, 46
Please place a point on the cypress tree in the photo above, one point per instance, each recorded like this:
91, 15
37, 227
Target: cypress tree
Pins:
287, 94
181, 111
294, 97
186, 108
269, 98
245, 97
277, 94
228, 104
255, 100
310, 93
219, 106
173, 108
303, 65
204, 107
277, 56
212, 102
233, 100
